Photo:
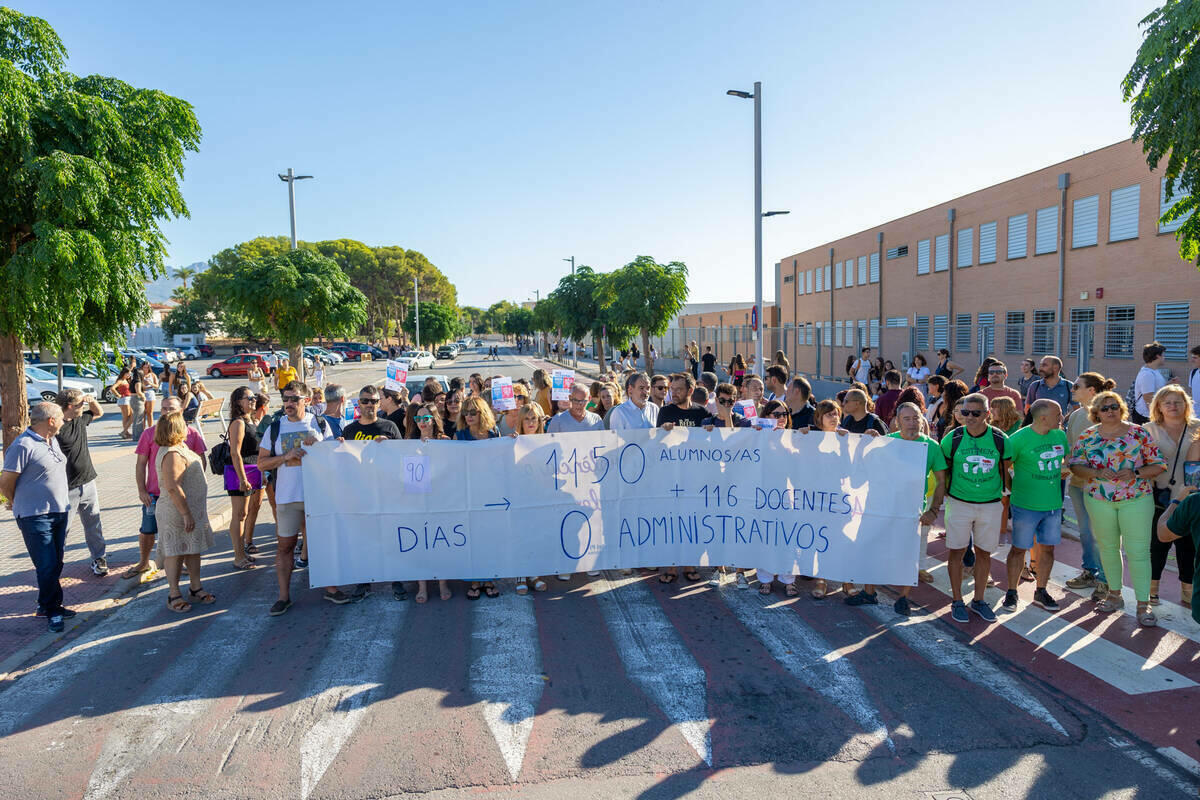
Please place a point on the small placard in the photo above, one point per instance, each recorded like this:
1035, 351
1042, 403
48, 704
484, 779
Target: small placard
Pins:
396, 376
745, 408
416, 475
766, 423
502, 395
561, 381
350, 410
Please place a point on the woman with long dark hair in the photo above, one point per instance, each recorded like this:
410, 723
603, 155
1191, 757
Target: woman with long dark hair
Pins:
243, 482
475, 423
828, 419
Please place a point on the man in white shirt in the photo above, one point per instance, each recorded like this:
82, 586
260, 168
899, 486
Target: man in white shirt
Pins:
282, 449
1148, 381
862, 367
1194, 374
637, 411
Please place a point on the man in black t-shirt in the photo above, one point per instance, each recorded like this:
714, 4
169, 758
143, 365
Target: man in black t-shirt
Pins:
369, 425
681, 410
81, 475
799, 399
393, 407
708, 360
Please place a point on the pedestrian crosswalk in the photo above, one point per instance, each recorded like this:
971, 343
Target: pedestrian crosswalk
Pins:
613, 673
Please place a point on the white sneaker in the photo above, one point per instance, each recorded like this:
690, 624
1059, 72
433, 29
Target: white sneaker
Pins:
100, 566
564, 577
593, 573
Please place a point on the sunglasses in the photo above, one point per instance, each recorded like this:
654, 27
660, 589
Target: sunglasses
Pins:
471, 413
780, 415
368, 401
997, 372
1110, 407
291, 398
972, 412
725, 401
424, 418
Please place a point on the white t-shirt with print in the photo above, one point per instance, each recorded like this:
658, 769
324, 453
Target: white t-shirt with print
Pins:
289, 481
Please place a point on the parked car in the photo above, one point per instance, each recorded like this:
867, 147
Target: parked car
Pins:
190, 353
238, 365
282, 354
206, 350
45, 384
416, 384
160, 354
422, 359
446, 352
100, 386
354, 351
322, 354
334, 354
137, 357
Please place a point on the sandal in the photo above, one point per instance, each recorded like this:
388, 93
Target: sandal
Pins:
791, 590
818, 591
422, 596
1145, 616
248, 565
445, 593
490, 589
251, 548
133, 571
764, 588
1154, 600
473, 592
178, 604
692, 575
667, 577
207, 598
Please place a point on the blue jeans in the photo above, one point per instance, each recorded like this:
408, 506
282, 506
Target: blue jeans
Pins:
45, 536
1091, 553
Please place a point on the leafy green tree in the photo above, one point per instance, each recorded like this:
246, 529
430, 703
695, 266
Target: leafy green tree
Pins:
1164, 87
518, 322
184, 274
547, 318
646, 296
438, 323
192, 315
493, 318
89, 167
297, 296
586, 309
472, 318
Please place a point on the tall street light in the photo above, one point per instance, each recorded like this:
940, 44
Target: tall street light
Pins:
290, 179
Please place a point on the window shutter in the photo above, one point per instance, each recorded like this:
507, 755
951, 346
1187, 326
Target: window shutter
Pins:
874, 267
837, 275
1014, 332
1085, 221
1165, 204
1046, 238
987, 243
1171, 329
1018, 227
941, 253
862, 268
987, 333
941, 331
820, 276
874, 333
1118, 332
966, 247
923, 257
962, 333
1123, 213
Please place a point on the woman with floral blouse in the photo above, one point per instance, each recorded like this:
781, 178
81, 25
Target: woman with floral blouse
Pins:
1119, 461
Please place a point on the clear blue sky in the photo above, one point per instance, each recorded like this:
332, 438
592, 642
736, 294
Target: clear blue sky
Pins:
500, 138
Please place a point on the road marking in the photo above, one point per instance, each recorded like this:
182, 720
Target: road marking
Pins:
808, 657
655, 657
1148, 761
346, 681
168, 707
946, 651
506, 672
1117, 666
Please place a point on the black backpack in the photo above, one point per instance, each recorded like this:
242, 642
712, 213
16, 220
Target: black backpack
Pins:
956, 437
219, 457
278, 423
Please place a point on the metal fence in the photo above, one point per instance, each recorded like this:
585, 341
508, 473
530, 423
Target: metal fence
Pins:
1112, 348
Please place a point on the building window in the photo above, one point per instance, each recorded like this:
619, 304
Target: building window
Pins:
1046, 238
787, 278
862, 268
1118, 332
875, 267
987, 243
1165, 204
987, 333
1123, 213
941, 331
808, 329
1018, 227
897, 252
837, 333
828, 267
820, 277
808, 282
1014, 332
962, 333
874, 333
941, 253
923, 257
837, 275
1171, 329
966, 247
863, 333
1081, 330
1085, 221
849, 273
1043, 331
921, 326
897, 322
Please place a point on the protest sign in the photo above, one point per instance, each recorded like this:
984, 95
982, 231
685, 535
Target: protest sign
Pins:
350, 410
561, 381
502, 395
397, 374
842, 507
747, 409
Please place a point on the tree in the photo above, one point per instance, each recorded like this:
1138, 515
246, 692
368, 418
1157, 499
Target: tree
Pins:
192, 315
1164, 87
296, 296
438, 323
89, 167
518, 322
646, 296
183, 274
493, 318
585, 309
472, 318
546, 318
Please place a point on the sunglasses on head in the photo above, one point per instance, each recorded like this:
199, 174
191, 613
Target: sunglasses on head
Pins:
1110, 407
725, 401
972, 412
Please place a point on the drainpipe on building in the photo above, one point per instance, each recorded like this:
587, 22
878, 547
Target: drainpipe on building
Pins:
795, 307
829, 328
950, 286
1064, 180
880, 323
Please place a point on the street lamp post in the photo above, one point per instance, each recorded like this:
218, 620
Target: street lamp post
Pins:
417, 311
290, 179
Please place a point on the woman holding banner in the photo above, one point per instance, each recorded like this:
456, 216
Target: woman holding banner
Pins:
781, 417
530, 420
827, 419
476, 423
429, 427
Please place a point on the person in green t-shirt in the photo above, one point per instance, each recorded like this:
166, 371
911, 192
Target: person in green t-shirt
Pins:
1182, 518
909, 419
1039, 461
978, 459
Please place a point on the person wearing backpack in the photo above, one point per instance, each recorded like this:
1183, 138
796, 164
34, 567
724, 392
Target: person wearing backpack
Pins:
1148, 381
243, 481
978, 457
282, 449
1194, 375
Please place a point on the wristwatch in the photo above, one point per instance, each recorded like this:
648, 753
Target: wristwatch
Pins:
1174, 502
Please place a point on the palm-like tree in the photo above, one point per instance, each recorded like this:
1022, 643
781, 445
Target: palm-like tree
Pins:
183, 273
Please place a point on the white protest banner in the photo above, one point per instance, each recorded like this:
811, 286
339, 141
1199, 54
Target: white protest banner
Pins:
502, 395
561, 381
842, 507
397, 374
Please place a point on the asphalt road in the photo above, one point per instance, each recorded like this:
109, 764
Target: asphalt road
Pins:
615, 686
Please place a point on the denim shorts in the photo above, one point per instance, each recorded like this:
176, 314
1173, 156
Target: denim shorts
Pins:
1045, 526
149, 524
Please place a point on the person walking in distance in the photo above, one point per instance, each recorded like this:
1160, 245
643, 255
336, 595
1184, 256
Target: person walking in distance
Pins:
34, 487
861, 368
121, 389
78, 413
708, 361
1148, 381
1051, 386
1039, 454
978, 457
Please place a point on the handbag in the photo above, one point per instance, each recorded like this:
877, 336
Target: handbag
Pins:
1162, 497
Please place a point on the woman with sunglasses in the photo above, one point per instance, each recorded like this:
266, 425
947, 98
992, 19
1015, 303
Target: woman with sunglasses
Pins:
507, 424
429, 427
454, 400
1119, 459
778, 411
475, 423
530, 421
827, 419
242, 472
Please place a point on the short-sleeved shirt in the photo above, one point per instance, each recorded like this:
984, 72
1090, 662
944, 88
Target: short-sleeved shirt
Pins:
1185, 521
335, 424
1059, 393
72, 438
284, 376
1037, 460
804, 417
862, 370
976, 474
1148, 381
885, 406
1134, 449
41, 468
628, 416
868, 423
147, 447
934, 458
992, 392
691, 417
563, 422
380, 427
289, 478
709, 362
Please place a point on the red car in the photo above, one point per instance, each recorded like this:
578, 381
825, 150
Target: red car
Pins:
238, 365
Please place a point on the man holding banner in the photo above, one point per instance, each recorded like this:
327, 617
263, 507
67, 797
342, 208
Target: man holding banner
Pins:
577, 417
637, 411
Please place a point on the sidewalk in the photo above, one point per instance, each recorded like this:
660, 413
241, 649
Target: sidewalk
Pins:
21, 633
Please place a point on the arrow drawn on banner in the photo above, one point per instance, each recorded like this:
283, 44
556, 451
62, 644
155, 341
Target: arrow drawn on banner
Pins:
505, 504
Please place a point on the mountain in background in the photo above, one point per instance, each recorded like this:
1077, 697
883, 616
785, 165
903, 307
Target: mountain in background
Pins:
159, 291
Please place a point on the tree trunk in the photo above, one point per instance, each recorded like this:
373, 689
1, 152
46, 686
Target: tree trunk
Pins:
599, 352
646, 352
14, 409
296, 354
